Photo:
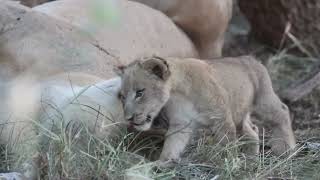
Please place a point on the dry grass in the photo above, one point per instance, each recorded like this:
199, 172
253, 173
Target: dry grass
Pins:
71, 151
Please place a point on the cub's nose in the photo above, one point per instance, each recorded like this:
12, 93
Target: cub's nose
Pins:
130, 118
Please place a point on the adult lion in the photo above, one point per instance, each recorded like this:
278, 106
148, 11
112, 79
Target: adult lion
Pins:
43, 57
122, 28
205, 21
220, 96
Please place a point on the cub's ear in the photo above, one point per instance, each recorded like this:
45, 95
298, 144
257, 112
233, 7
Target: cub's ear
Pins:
157, 66
119, 70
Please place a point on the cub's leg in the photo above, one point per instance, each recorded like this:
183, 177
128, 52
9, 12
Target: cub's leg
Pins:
275, 114
250, 133
20, 137
175, 142
181, 121
225, 130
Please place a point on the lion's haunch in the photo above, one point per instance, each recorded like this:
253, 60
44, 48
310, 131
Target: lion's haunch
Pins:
204, 21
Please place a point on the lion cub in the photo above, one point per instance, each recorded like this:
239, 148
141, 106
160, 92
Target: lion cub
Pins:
221, 96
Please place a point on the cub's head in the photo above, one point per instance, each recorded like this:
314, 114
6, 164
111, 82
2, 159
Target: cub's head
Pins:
144, 91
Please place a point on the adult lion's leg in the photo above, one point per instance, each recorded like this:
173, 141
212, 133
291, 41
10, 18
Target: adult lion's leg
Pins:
28, 150
209, 47
225, 131
30, 168
21, 140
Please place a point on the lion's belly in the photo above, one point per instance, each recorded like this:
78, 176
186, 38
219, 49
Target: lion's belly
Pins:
183, 112
240, 92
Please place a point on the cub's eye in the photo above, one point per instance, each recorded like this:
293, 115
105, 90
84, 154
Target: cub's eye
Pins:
139, 93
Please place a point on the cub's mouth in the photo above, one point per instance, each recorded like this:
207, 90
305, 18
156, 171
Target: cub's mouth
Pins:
137, 124
147, 120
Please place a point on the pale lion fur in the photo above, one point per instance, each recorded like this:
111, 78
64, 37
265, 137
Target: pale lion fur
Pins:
32, 108
222, 95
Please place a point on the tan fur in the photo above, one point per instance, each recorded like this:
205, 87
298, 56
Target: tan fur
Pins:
131, 30
35, 46
222, 96
205, 21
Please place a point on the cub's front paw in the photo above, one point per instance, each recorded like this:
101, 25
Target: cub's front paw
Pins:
168, 163
279, 147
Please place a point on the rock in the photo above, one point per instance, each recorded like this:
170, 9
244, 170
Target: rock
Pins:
313, 146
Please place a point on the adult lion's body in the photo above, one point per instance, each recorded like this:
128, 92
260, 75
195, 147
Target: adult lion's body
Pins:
35, 47
221, 96
204, 21
31, 109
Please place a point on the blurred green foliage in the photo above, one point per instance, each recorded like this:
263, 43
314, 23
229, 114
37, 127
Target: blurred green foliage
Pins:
104, 12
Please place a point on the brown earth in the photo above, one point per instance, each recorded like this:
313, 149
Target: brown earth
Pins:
270, 18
